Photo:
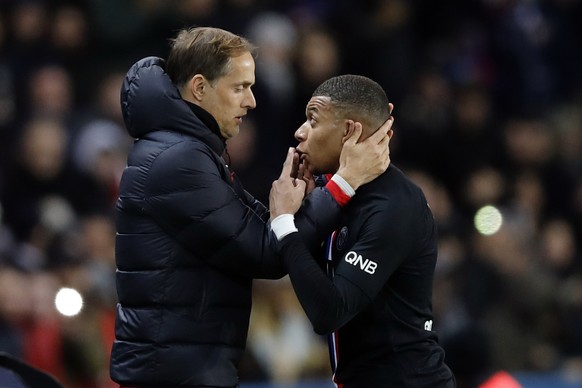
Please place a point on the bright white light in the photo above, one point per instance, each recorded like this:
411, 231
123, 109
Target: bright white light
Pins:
68, 302
488, 220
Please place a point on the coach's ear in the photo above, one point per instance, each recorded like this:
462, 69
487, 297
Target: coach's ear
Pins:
352, 128
197, 86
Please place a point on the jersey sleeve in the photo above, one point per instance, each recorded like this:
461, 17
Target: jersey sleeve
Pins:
385, 240
362, 271
328, 304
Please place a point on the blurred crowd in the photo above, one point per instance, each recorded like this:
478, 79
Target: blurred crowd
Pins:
488, 107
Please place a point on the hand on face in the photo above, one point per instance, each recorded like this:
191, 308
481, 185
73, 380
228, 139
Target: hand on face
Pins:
363, 161
288, 191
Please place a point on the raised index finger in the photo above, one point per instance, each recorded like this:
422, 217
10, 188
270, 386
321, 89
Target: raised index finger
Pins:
288, 164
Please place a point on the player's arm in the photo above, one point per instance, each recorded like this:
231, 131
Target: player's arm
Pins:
359, 276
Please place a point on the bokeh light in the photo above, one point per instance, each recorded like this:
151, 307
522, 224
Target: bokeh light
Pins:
488, 220
68, 302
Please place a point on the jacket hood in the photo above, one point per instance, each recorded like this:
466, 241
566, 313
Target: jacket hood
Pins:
151, 102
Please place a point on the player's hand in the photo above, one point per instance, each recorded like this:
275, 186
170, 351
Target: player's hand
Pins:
306, 175
363, 161
287, 192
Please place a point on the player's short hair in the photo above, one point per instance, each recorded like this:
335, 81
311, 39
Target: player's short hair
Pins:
358, 98
204, 50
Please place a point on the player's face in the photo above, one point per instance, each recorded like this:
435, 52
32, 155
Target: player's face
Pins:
230, 97
320, 136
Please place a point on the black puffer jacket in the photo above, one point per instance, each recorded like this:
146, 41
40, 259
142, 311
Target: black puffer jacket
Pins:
189, 243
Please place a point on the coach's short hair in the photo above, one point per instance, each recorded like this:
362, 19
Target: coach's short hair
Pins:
358, 98
206, 51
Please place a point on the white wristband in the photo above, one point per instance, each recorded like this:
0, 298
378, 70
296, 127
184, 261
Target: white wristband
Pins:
345, 186
283, 225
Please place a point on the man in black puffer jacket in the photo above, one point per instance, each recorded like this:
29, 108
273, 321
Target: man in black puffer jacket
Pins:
190, 239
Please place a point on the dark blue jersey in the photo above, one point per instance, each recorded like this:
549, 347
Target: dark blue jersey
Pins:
378, 303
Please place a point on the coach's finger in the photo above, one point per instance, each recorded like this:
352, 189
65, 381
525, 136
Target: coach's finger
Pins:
290, 160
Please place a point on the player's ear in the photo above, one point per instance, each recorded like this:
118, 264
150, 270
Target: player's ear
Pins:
351, 128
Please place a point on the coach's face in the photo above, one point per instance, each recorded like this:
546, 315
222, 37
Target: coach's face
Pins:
321, 136
228, 98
